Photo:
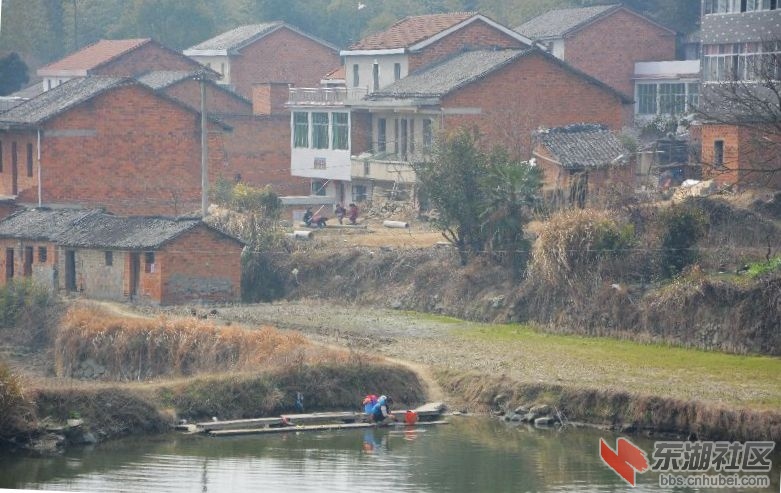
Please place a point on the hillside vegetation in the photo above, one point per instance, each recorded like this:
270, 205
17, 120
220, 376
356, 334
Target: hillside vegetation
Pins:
44, 30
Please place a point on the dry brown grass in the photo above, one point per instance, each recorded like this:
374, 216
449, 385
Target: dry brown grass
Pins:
139, 349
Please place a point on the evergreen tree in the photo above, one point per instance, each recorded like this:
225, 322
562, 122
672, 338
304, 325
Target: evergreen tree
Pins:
13, 74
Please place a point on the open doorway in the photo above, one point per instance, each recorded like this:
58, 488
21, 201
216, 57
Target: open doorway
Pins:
70, 270
135, 272
9, 264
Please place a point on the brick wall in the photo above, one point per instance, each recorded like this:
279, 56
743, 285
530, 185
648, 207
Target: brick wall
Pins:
97, 280
478, 34
609, 48
42, 273
360, 132
529, 93
126, 150
282, 56
148, 57
258, 151
218, 101
748, 159
201, 266
269, 98
24, 175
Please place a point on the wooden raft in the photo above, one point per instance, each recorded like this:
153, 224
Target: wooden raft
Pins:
427, 414
325, 427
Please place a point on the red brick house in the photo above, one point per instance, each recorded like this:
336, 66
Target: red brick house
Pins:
106, 142
604, 41
412, 43
581, 161
116, 58
739, 102
145, 259
270, 52
257, 149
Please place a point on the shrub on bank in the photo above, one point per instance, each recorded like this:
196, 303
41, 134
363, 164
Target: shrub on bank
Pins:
138, 349
16, 411
581, 243
27, 313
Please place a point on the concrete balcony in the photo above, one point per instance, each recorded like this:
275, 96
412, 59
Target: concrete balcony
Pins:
325, 96
676, 69
382, 168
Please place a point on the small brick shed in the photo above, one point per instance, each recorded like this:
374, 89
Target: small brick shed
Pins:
147, 259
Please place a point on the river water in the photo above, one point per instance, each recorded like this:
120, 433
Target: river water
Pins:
468, 455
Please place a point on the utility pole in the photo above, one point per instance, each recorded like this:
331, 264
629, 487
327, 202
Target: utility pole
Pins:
204, 151
75, 26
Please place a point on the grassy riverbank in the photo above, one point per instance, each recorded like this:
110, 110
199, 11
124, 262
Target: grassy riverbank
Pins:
595, 379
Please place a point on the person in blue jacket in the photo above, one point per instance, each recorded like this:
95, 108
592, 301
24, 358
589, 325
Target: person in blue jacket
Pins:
381, 411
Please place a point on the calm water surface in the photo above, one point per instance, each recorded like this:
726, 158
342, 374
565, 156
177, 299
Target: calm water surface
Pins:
468, 455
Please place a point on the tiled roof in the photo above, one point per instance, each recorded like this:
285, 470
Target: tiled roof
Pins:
160, 79
126, 233
451, 74
411, 30
557, 23
60, 98
583, 145
41, 224
741, 27
89, 57
7, 102
92, 228
336, 74
237, 38
28, 92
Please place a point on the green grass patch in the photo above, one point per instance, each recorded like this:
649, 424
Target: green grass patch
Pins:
658, 369
758, 269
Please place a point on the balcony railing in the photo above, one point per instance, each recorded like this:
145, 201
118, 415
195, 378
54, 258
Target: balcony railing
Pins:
325, 96
382, 168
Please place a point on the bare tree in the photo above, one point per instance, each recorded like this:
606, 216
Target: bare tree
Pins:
748, 100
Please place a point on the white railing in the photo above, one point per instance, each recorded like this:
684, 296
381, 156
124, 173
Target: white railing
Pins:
384, 169
325, 96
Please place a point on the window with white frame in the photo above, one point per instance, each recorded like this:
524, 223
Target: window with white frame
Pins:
672, 99
340, 131
428, 134
667, 98
356, 75
320, 130
300, 129
646, 99
742, 61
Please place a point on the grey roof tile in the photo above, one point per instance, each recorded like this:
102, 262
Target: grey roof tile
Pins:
58, 99
557, 23
41, 224
583, 145
451, 74
741, 27
160, 79
237, 38
125, 233
92, 228
28, 92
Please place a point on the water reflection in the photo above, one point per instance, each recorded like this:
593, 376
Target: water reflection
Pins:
468, 455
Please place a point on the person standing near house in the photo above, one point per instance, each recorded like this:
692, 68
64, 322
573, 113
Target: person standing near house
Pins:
352, 214
340, 212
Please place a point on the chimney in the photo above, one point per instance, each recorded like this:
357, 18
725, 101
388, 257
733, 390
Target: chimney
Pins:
269, 98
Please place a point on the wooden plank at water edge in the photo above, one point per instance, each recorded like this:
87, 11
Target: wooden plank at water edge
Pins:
288, 429
326, 427
344, 416
239, 423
